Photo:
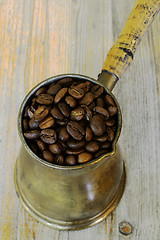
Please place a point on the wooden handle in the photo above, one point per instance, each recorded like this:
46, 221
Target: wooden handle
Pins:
121, 54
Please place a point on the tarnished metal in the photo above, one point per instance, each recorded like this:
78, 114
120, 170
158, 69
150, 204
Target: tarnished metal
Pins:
108, 79
69, 197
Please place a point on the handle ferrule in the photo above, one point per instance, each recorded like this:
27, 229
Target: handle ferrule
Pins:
108, 79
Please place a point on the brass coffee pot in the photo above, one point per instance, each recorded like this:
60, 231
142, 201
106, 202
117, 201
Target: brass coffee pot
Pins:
76, 197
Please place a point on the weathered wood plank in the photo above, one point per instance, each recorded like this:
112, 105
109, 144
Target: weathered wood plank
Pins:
43, 38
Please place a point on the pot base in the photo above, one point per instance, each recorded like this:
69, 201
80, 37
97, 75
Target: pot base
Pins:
64, 225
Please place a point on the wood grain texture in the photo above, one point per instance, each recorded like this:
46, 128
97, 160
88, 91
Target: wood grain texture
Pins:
42, 38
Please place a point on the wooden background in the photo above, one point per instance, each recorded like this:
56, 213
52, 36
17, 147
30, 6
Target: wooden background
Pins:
43, 38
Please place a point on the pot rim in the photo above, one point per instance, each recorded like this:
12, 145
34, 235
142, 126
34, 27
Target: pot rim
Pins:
52, 165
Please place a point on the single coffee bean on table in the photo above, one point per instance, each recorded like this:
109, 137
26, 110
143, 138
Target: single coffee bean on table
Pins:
70, 122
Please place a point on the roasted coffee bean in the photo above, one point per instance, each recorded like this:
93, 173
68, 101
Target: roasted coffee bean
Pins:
97, 90
110, 122
59, 159
72, 143
64, 109
74, 151
75, 83
109, 101
30, 113
110, 133
44, 99
88, 84
41, 90
33, 146
48, 136
77, 114
101, 111
97, 125
66, 81
100, 102
106, 145
100, 152
25, 124
62, 122
82, 123
75, 130
34, 134
40, 113
87, 99
48, 156
102, 138
61, 94
91, 105
81, 85
70, 160
55, 148
84, 157
89, 134
76, 92
87, 112
54, 88
70, 121
56, 113
92, 146
25, 114
63, 134
34, 105
114, 128
47, 123
70, 101
94, 88
112, 110
63, 144
41, 145
33, 124
85, 86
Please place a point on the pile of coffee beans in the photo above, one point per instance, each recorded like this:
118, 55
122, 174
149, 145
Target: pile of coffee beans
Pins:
70, 121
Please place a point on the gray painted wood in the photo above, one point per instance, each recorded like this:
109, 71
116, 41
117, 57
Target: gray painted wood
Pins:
43, 38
